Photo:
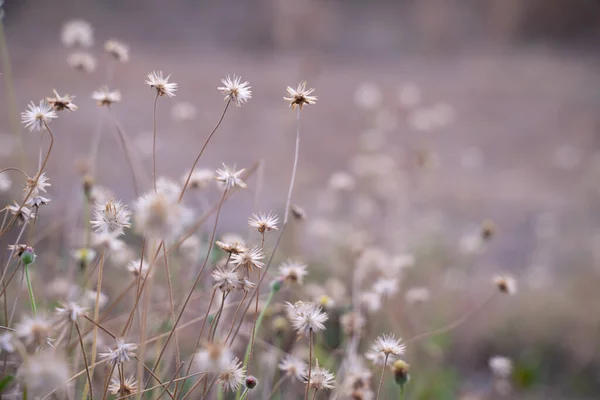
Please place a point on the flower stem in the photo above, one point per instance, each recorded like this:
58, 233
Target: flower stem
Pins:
310, 351
289, 197
30, 289
382, 375
154, 144
258, 323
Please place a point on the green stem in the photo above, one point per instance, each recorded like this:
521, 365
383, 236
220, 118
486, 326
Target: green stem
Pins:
30, 289
249, 346
245, 394
220, 393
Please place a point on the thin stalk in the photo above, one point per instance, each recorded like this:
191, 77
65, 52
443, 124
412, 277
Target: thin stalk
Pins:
235, 316
87, 370
30, 290
217, 319
244, 394
172, 308
127, 151
195, 283
262, 247
382, 375
315, 394
187, 181
154, 143
258, 323
96, 314
310, 351
294, 169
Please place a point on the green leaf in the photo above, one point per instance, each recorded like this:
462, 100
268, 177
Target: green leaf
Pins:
4, 382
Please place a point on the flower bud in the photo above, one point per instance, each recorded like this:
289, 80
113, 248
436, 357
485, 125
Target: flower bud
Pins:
251, 382
28, 256
276, 285
400, 369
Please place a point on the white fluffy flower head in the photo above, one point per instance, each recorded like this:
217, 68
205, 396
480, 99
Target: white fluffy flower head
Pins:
306, 317
35, 118
161, 84
111, 217
234, 90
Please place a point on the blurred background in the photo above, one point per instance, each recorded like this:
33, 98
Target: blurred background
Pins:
464, 110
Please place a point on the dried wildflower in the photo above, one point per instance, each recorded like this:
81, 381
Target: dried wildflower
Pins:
105, 97
501, 367
293, 271
234, 90
77, 32
506, 284
7, 344
82, 61
388, 344
213, 357
36, 187
60, 103
226, 279
111, 217
300, 96
123, 388
37, 117
249, 259
18, 249
230, 178
23, 214
163, 87
123, 352
70, 311
138, 268
232, 377
263, 222
320, 378
119, 50
35, 331
183, 111
37, 201
293, 366
200, 178
232, 245
417, 295
306, 317
386, 287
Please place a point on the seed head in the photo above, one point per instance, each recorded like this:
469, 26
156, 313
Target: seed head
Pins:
293, 366
293, 271
306, 317
123, 388
77, 32
82, 61
111, 217
388, 344
232, 376
234, 90
37, 117
123, 352
138, 268
70, 311
119, 50
300, 96
23, 214
230, 178
506, 284
163, 87
263, 222
501, 367
105, 97
320, 378
249, 259
226, 279
60, 103
213, 357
